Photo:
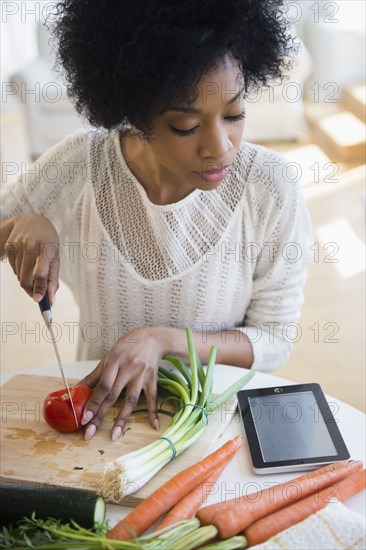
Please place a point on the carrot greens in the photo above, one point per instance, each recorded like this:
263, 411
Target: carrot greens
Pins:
51, 534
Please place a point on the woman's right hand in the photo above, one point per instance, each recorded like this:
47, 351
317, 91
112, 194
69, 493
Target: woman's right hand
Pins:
32, 246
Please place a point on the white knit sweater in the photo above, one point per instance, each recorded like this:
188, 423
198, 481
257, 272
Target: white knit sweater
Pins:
234, 258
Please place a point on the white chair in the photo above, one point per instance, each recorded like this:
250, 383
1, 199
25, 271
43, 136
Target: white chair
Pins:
50, 116
277, 113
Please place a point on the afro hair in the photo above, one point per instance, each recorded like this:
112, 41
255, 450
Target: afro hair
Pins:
128, 60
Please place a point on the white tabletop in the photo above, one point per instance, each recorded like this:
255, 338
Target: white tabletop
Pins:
238, 477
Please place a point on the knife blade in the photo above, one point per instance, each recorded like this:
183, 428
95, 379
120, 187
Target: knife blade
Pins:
44, 306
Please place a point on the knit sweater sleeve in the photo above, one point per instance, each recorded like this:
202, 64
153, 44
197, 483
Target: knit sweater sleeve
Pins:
50, 186
282, 233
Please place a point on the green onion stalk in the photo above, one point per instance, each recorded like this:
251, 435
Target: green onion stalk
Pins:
193, 387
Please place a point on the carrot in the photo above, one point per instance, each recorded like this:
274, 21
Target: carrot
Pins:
267, 527
207, 514
244, 513
164, 498
188, 506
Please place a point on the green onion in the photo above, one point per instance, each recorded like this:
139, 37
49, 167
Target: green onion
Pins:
173, 376
200, 371
180, 366
232, 543
196, 538
193, 388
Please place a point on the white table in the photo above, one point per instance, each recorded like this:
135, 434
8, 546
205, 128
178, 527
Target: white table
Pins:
238, 477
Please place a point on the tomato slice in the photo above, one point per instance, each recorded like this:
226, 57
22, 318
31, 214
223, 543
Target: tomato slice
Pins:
57, 409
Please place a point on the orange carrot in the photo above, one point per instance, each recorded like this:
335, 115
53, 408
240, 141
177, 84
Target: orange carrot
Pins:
244, 513
279, 493
267, 527
188, 506
164, 498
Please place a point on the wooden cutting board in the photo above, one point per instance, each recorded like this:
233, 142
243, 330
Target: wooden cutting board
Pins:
32, 452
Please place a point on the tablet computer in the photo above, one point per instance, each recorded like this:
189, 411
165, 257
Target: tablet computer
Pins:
290, 428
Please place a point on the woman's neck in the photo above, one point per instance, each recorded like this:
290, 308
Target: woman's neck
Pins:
155, 179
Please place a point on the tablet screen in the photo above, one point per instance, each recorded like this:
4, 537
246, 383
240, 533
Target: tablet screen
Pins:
290, 426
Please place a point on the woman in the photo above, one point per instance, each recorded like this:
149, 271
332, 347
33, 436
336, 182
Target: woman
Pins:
162, 217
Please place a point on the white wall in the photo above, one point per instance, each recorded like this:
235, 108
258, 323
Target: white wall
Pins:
334, 34
18, 35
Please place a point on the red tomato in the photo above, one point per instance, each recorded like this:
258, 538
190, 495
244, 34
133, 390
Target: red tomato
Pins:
57, 410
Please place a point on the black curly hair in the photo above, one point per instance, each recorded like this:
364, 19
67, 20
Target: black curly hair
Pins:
127, 60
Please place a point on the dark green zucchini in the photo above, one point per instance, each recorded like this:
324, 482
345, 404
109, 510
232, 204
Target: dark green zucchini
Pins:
63, 503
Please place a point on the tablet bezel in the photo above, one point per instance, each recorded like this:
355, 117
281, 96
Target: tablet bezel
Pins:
261, 467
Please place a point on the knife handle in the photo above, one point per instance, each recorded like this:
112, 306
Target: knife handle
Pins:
44, 304
45, 307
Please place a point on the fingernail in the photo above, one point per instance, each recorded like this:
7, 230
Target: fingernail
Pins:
37, 297
157, 424
116, 433
88, 415
90, 431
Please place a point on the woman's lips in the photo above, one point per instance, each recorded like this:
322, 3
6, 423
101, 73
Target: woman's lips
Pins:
215, 175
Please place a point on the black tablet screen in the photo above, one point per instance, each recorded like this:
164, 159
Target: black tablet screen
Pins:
290, 426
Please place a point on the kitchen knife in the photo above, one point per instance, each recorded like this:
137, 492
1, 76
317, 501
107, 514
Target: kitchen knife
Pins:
45, 308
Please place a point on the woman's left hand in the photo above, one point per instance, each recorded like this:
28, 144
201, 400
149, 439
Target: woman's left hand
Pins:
130, 365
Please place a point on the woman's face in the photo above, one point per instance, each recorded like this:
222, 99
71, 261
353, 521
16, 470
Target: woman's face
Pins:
196, 144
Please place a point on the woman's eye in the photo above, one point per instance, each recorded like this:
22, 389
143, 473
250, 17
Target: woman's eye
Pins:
236, 117
191, 131
182, 132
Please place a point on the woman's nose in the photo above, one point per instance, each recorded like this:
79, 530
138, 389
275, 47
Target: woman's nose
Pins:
214, 145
